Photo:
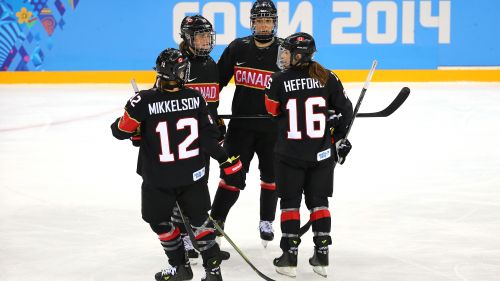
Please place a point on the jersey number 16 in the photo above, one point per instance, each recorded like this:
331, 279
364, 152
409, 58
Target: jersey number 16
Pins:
311, 118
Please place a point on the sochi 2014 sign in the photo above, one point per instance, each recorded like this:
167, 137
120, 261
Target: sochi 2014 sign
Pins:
384, 22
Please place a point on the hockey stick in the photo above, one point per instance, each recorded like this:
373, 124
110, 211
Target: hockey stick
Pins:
303, 229
187, 225
395, 104
390, 109
361, 97
262, 275
134, 85
222, 254
246, 116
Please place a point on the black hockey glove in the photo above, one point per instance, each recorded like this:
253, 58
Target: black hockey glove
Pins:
232, 173
333, 118
222, 129
343, 147
136, 138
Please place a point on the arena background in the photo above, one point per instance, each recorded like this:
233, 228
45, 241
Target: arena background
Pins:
63, 41
418, 198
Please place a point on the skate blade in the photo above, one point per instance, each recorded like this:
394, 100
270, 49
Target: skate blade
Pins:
320, 270
288, 271
264, 243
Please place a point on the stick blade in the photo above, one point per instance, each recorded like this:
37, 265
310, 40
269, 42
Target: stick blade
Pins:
395, 104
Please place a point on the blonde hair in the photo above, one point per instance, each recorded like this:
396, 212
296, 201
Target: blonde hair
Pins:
318, 72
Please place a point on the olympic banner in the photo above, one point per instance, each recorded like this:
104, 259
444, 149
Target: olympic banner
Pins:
71, 35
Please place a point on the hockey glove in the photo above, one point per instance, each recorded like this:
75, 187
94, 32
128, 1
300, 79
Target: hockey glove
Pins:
136, 138
343, 147
333, 118
222, 129
232, 173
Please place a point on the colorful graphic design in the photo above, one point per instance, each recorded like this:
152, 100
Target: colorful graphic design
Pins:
26, 28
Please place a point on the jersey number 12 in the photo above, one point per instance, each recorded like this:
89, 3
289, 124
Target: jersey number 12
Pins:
166, 154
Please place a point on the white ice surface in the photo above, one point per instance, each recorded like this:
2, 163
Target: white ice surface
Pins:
418, 198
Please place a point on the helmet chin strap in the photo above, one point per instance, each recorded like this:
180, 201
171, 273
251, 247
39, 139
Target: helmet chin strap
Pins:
263, 40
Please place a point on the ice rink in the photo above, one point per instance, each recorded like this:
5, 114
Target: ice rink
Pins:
418, 198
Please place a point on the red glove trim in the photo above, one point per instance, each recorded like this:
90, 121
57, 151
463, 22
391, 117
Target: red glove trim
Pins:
233, 168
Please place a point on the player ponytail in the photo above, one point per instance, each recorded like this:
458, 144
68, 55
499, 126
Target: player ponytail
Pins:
183, 46
318, 72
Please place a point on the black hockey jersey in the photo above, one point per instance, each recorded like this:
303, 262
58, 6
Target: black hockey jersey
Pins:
300, 104
252, 67
174, 127
204, 77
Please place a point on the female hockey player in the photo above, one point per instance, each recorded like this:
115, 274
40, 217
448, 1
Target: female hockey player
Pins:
198, 41
300, 97
251, 60
175, 126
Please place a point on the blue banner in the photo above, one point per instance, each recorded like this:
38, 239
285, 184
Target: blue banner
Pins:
128, 35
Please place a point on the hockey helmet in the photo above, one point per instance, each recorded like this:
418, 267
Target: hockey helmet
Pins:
172, 65
194, 26
263, 9
298, 43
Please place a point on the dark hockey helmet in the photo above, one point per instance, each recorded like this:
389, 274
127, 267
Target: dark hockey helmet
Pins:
298, 43
172, 66
194, 26
263, 9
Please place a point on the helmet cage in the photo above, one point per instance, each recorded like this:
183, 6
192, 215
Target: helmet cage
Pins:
189, 38
193, 26
263, 9
264, 36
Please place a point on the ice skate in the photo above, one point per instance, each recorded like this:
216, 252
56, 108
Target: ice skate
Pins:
212, 270
175, 273
319, 260
191, 253
286, 264
266, 232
